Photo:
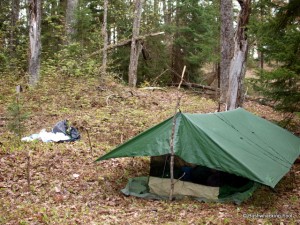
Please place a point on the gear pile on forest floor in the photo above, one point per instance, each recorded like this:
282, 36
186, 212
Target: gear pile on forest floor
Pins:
50, 183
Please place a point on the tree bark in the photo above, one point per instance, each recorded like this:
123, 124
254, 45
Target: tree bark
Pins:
135, 46
35, 40
70, 19
227, 34
235, 94
105, 40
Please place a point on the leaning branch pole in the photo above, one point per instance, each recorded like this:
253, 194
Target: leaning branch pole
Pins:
172, 137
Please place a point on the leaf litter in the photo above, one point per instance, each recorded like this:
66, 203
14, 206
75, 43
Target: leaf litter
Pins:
68, 187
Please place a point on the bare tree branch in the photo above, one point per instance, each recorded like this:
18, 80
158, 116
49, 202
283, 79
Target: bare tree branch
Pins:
124, 42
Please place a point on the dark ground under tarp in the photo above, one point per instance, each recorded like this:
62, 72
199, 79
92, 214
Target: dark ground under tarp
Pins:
195, 181
138, 187
159, 167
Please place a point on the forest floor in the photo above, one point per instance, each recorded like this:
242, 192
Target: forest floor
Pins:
68, 187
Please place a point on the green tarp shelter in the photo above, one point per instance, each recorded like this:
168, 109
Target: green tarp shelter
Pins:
235, 141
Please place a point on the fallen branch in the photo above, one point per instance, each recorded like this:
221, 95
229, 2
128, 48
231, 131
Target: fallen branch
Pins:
156, 78
117, 96
124, 42
110, 96
194, 85
152, 88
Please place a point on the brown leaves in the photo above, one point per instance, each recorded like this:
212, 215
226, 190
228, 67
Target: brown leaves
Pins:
67, 187
58, 198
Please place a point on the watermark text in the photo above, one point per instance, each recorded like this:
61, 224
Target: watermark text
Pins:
257, 215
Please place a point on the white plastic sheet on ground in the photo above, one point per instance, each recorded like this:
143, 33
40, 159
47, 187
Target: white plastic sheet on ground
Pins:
45, 136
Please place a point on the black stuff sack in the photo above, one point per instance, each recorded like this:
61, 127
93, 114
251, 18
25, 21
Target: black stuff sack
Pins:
64, 127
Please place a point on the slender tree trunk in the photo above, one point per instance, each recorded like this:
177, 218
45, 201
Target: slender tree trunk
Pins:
261, 54
177, 52
35, 40
115, 40
167, 9
70, 18
15, 10
2, 38
235, 94
227, 34
105, 39
177, 62
167, 17
62, 11
155, 7
261, 60
135, 46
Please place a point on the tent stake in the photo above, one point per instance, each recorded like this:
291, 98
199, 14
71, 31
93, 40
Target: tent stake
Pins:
88, 134
28, 171
172, 137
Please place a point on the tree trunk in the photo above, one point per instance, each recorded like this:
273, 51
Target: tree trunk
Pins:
167, 9
70, 18
135, 45
155, 6
227, 34
261, 54
167, 17
177, 62
235, 94
261, 60
15, 9
105, 40
35, 40
177, 53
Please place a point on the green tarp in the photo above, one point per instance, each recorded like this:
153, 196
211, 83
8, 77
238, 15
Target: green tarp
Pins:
235, 141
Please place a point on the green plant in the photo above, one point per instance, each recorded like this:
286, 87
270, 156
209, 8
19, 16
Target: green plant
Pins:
3, 62
70, 62
16, 118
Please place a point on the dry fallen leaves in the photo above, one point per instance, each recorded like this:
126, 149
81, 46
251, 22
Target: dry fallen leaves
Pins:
67, 187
